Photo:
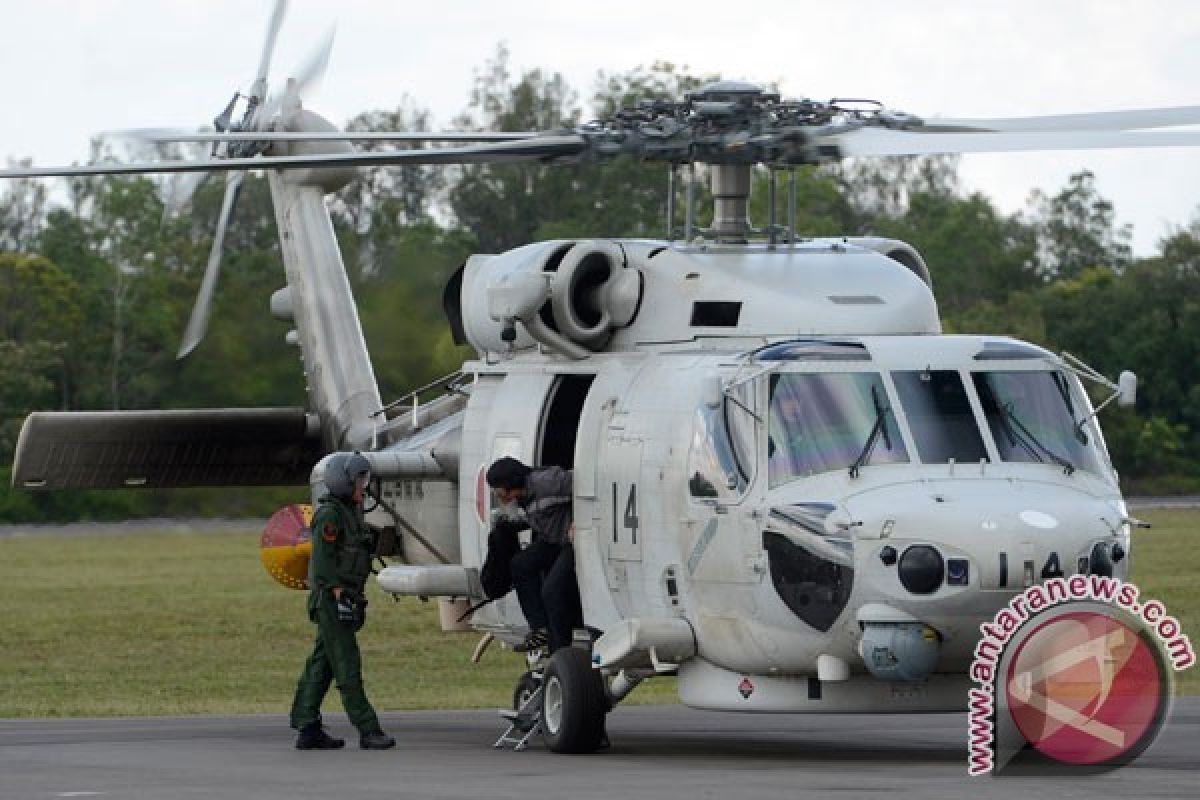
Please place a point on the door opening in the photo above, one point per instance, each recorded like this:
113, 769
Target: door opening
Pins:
560, 421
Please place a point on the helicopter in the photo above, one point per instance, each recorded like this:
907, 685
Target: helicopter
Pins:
791, 489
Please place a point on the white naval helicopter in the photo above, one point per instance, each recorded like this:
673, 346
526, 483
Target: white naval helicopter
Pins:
791, 489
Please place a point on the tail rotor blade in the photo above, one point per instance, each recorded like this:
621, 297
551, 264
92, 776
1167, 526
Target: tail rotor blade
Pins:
305, 78
198, 324
260, 77
309, 74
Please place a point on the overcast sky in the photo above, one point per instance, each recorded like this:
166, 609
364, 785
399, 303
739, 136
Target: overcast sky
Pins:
72, 67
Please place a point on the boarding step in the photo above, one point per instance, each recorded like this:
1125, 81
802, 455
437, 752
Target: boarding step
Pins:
523, 723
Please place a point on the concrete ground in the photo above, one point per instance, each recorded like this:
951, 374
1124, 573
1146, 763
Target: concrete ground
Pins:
657, 752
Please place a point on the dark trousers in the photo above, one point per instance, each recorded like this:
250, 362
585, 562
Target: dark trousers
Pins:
543, 576
334, 657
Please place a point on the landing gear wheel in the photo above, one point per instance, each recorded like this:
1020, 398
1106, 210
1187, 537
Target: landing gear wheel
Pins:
526, 686
574, 703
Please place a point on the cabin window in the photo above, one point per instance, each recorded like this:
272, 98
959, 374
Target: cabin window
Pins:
940, 416
1036, 416
818, 422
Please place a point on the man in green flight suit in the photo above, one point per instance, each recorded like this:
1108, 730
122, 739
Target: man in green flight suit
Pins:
341, 561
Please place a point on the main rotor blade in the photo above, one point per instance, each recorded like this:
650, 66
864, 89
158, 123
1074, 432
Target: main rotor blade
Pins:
1131, 120
198, 323
884, 142
259, 88
542, 148
165, 135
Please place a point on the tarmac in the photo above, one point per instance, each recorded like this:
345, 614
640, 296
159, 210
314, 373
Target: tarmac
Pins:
657, 752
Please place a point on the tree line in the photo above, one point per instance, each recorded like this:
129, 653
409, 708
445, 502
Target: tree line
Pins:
97, 278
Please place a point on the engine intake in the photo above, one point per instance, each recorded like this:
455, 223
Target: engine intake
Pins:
593, 293
567, 296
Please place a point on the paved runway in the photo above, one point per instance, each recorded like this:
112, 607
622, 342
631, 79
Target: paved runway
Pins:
658, 752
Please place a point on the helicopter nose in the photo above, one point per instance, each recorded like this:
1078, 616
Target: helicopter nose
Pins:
929, 542
940, 557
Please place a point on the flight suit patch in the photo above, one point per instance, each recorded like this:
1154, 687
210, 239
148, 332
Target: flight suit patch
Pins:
329, 532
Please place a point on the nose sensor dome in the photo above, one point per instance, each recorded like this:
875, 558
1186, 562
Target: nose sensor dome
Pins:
921, 569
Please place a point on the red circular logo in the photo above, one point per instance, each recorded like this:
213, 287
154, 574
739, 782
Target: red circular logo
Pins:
1084, 688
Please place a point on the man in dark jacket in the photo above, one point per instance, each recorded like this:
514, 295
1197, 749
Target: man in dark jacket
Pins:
543, 574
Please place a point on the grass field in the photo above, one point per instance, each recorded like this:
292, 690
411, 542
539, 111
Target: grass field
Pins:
166, 624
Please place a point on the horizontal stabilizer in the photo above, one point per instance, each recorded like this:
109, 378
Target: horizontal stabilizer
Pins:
166, 449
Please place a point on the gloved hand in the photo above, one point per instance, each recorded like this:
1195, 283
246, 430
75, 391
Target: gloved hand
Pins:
347, 612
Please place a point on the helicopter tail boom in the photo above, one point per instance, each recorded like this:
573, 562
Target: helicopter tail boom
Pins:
337, 366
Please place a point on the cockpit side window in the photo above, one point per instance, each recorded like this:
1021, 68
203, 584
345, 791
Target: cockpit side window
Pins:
940, 416
742, 421
818, 422
713, 470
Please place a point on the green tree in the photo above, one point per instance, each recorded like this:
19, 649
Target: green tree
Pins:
401, 312
822, 209
110, 248
22, 211
883, 187
504, 206
975, 254
378, 202
40, 318
1077, 230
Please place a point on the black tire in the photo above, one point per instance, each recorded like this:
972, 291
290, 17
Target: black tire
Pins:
527, 684
574, 703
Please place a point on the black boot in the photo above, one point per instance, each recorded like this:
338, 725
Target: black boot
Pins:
376, 740
536, 639
314, 737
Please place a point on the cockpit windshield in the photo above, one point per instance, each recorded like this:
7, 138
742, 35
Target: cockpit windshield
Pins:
1035, 417
940, 416
818, 422
821, 422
